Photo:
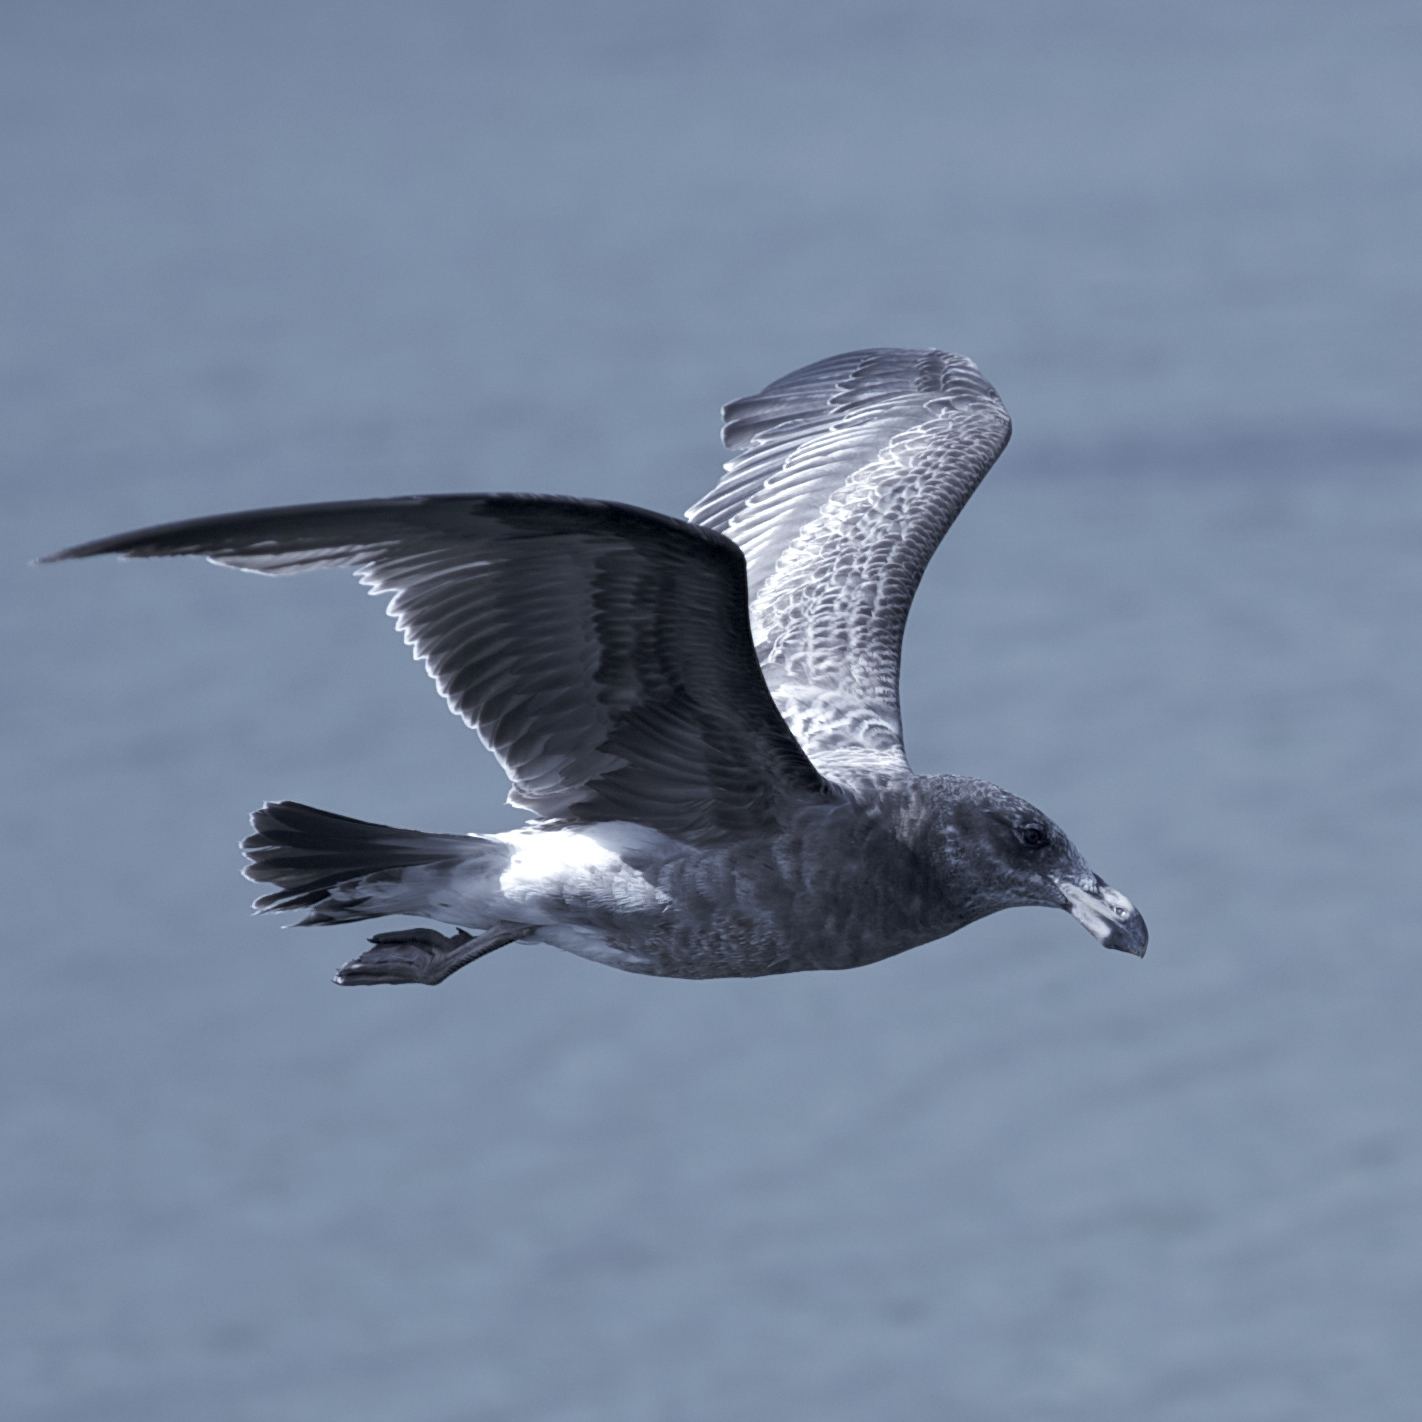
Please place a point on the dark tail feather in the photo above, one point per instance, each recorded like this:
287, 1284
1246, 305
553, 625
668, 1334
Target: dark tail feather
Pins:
310, 852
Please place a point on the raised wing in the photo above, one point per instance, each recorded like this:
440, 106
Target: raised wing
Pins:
844, 478
602, 652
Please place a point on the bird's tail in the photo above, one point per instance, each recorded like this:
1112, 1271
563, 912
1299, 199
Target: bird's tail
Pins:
341, 869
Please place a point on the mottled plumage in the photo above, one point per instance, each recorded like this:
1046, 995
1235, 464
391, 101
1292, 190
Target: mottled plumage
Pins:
844, 478
701, 716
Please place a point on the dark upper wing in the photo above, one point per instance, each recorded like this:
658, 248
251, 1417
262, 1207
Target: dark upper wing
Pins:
602, 652
844, 478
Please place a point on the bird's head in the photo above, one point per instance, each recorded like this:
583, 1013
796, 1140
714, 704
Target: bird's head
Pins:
1013, 856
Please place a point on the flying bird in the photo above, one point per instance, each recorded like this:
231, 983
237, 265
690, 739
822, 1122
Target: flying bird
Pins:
701, 716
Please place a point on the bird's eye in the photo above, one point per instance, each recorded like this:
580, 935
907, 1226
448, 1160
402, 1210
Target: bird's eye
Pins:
1032, 836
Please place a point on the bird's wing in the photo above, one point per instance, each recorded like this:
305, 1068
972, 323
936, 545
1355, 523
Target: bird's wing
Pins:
602, 652
844, 476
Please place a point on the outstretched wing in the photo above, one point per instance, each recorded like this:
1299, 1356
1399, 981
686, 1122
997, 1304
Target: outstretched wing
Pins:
602, 652
843, 479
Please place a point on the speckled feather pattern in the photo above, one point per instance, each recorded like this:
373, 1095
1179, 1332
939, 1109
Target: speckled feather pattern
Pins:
844, 480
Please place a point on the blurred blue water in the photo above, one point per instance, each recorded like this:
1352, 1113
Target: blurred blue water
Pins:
258, 253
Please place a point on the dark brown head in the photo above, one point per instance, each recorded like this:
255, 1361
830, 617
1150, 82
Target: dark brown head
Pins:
996, 851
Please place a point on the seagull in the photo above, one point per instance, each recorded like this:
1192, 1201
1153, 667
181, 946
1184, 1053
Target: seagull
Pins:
700, 715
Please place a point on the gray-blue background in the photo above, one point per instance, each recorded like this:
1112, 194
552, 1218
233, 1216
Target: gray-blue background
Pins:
257, 253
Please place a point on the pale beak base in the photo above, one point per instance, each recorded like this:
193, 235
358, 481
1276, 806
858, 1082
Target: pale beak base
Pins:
1107, 915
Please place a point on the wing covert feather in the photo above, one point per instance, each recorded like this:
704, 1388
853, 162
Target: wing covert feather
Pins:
843, 479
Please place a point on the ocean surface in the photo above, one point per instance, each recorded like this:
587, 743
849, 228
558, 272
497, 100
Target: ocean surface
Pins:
256, 253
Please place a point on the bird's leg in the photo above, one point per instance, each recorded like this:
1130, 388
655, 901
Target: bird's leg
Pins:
420, 955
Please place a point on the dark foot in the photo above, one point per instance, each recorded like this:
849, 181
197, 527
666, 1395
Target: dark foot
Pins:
420, 955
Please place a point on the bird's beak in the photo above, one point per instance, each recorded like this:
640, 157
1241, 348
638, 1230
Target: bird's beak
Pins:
1106, 914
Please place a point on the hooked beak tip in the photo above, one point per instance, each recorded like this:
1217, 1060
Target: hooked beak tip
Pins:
1108, 916
1136, 943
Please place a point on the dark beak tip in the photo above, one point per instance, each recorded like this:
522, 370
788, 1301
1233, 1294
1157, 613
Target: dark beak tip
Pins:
1131, 938
1107, 915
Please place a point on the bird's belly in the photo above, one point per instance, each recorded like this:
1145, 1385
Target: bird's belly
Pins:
629, 897
746, 915
598, 945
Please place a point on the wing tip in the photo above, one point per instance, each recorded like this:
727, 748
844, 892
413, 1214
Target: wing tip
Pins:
852, 383
92, 549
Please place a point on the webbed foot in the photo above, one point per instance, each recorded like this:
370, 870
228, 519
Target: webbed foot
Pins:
420, 955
